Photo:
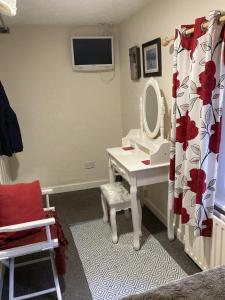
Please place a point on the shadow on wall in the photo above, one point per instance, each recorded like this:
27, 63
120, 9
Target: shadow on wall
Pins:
13, 167
10, 168
167, 117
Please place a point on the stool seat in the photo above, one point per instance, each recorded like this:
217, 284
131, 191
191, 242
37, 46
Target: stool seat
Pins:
115, 193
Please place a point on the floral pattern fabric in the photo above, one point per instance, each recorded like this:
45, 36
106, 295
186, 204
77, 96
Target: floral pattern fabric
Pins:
198, 91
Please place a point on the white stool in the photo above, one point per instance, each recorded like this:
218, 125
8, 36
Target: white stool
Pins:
117, 198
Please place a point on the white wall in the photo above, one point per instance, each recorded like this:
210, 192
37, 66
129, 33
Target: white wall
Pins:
158, 19
66, 118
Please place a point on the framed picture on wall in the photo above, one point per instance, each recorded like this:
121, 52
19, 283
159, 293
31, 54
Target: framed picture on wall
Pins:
151, 55
135, 63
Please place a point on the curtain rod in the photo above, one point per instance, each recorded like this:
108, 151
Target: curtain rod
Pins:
167, 40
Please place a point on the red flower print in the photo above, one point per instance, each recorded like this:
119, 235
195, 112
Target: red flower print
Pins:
214, 142
186, 41
207, 231
191, 42
176, 84
223, 39
172, 169
193, 46
223, 55
177, 204
176, 33
186, 130
185, 217
222, 34
197, 183
208, 82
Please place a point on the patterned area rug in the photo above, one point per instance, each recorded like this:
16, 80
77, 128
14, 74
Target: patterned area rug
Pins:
116, 270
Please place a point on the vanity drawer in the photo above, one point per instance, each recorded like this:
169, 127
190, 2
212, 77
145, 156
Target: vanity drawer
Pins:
119, 169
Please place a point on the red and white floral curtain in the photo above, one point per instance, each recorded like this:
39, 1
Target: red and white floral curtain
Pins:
198, 92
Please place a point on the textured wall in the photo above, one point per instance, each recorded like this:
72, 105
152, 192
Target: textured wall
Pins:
66, 117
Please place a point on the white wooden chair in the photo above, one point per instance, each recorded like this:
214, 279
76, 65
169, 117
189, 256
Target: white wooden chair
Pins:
7, 256
115, 197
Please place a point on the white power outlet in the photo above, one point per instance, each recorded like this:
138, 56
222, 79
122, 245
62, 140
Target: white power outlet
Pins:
89, 165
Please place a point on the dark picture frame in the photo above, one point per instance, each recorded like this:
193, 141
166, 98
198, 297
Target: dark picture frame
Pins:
135, 63
151, 57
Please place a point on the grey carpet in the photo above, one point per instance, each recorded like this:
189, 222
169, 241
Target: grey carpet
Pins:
81, 206
208, 285
116, 270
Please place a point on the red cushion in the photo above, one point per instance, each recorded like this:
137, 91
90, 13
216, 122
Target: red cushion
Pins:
19, 203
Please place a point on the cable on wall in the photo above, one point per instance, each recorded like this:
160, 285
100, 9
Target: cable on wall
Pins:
106, 81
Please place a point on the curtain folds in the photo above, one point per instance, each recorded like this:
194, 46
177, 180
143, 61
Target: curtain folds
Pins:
198, 92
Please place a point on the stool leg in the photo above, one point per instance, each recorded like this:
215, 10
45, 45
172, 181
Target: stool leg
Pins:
11, 279
104, 208
113, 225
127, 213
140, 216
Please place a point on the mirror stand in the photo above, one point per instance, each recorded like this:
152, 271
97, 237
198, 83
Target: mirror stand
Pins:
162, 114
161, 122
150, 137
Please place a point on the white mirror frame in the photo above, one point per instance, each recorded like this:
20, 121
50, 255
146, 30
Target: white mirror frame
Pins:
152, 134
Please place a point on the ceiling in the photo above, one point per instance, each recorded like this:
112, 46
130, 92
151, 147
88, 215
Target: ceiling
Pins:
74, 12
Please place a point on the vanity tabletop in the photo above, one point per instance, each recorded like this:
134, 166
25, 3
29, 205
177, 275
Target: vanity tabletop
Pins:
133, 159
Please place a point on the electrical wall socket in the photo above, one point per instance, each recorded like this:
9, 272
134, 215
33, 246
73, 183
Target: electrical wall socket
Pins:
89, 165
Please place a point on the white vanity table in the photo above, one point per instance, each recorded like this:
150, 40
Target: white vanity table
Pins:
143, 158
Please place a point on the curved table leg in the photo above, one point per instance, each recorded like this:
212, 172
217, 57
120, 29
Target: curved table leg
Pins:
135, 213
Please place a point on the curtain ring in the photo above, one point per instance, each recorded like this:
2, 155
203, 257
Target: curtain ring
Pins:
183, 32
204, 29
218, 17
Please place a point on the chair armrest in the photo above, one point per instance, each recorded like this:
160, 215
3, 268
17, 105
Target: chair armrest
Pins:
46, 191
51, 208
28, 225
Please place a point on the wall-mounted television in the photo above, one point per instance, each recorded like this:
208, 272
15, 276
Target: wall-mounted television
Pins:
93, 53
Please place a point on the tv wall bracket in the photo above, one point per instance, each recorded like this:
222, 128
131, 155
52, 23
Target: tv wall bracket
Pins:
3, 27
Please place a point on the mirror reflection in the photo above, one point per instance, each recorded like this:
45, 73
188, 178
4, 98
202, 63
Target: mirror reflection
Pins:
151, 108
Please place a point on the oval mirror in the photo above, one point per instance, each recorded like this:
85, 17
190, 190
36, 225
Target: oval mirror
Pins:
151, 108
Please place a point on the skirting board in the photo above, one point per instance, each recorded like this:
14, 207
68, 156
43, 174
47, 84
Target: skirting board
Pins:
76, 186
157, 212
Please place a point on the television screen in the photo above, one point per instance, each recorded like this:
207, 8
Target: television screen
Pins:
94, 51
